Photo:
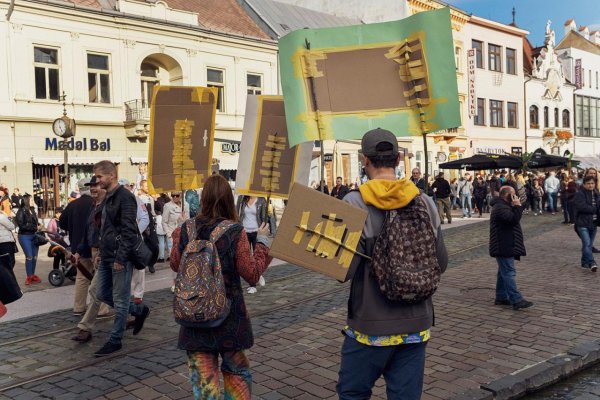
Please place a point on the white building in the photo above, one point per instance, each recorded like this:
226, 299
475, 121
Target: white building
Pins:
579, 51
107, 56
497, 126
549, 100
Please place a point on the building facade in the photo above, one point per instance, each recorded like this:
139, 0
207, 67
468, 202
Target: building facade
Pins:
107, 60
579, 52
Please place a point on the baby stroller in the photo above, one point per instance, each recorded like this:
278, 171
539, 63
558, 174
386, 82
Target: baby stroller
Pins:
63, 266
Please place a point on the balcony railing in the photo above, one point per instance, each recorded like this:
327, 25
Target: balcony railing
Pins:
136, 110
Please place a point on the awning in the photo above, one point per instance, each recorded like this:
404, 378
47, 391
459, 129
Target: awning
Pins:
73, 160
138, 160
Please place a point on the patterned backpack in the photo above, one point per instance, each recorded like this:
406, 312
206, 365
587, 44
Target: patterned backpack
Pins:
200, 298
404, 259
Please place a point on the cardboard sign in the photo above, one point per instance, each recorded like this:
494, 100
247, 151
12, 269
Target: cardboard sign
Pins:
318, 232
182, 125
267, 165
339, 83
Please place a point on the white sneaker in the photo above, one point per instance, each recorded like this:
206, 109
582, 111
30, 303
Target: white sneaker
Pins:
173, 289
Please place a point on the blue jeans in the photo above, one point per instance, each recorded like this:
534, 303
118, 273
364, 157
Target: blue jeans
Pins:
161, 247
506, 284
587, 236
552, 202
114, 289
465, 199
402, 367
31, 252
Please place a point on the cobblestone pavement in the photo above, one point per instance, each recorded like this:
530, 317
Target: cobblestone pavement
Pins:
296, 354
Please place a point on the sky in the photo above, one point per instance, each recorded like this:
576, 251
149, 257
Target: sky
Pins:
532, 15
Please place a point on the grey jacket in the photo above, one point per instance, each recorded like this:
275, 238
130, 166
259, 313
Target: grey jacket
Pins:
369, 311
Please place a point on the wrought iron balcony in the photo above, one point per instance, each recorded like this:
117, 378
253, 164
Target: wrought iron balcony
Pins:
137, 110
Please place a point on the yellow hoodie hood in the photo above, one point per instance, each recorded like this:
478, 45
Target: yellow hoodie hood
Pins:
388, 195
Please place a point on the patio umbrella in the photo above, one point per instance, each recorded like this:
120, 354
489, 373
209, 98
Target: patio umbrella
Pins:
539, 159
484, 161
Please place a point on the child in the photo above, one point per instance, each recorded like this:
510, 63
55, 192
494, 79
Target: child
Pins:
538, 194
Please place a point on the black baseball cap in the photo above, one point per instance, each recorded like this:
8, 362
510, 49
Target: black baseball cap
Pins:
372, 138
92, 181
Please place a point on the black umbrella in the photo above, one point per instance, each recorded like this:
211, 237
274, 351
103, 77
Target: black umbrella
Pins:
539, 159
484, 161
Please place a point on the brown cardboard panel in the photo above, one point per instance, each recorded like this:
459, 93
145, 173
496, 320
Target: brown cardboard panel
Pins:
181, 137
308, 212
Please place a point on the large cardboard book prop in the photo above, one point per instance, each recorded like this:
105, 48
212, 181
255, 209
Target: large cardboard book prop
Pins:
268, 166
318, 232
182, 125
340, 82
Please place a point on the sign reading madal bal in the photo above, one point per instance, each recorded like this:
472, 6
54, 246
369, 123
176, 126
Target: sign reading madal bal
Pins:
80, 145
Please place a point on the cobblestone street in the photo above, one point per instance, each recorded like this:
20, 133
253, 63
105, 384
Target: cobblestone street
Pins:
297, 319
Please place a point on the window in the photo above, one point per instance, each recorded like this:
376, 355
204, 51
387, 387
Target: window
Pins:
480, 117
98, 78
254, 83
556, 117
45, 62
590, 80
511, 61
546, 117
216, 78
596, 80
478, 46
511, 109
534, 121
457, 58
494, 58
496, 113
566, 119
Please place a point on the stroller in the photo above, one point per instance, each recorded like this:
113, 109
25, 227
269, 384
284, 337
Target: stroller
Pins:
63, 266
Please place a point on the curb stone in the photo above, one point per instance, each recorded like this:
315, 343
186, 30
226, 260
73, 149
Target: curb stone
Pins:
536, 377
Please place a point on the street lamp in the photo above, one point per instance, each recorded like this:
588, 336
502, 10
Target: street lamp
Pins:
64, 127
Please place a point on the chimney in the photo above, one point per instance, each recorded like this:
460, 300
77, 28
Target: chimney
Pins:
584, 31
570, 26
595, 37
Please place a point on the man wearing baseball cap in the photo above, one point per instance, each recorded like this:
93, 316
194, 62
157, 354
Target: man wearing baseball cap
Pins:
392, 335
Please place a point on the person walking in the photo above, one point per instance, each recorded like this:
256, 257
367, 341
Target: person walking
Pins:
74, 221
538, 195
453, 193
230, 339
586, 205
172, 217
441, 188
251, 211
384, 337
551, 187
506, 246
91, 244
9, 287
118, 236
465, 190
339, 190
27, 223
15, 200
480, 191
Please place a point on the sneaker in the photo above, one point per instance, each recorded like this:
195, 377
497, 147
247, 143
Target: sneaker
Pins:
505, 302
522, 304
160, 260
138, 324
108, 349
593, 268
82, 336
584, 266
173, 289
35, 279
595, 250
151, 269
28, 281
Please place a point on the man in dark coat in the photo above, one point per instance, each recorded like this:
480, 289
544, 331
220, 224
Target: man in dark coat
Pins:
416, 178
507, 245
585, 206
339, 190
441, 188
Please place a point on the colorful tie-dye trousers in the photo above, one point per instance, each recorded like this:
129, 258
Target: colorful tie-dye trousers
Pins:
204, 375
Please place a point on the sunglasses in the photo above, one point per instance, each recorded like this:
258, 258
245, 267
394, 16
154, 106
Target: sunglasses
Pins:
176, 195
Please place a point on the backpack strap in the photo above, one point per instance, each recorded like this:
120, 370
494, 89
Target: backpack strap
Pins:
220, 230
191, 229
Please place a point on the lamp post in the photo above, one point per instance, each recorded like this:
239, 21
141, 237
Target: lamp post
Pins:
64, 127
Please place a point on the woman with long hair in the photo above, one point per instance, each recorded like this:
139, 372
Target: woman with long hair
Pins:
234, 335
252, 212
28, 225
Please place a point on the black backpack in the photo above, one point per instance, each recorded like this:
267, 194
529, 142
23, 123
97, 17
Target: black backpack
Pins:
150, 236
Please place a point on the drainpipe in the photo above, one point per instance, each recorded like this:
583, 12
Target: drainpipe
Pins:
525, 110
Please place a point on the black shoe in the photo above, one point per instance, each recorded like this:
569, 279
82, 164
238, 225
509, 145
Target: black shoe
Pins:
160, 260
595, 250
522, 304
593, 268
151, 269
502, 302
138, 324
585, 266
107, 349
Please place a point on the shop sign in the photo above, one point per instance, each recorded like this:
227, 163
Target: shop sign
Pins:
84, 144
517, 151
328, 157
230, 148
489, 150
578, 77
471, 76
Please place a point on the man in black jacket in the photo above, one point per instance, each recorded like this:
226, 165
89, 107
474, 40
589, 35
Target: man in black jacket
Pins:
118, 236
507, 245
441, 188
585, 206
74, 220
339, 190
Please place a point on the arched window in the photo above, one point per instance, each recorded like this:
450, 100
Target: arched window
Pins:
534, 121
546, 117
566, 116
556, 117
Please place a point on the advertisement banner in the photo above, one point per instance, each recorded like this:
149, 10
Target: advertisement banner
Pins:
471, 75
578, 75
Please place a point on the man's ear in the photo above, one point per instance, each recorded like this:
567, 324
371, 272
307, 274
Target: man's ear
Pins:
398, 160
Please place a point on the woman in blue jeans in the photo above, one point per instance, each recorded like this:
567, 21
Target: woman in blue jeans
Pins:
28, 225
